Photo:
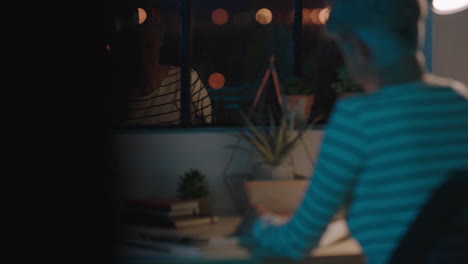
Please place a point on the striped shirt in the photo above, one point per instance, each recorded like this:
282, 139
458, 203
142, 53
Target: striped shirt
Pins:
162, 107
382, 155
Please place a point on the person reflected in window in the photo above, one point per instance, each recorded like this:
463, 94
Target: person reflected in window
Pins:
384, 152
155, 99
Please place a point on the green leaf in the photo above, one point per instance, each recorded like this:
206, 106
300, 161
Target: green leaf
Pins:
281, 138
272, 144
192, 184
255, 132
263, 150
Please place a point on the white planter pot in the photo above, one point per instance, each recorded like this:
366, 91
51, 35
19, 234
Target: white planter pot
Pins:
263, 171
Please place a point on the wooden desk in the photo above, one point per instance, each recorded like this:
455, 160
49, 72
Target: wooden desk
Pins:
225, 249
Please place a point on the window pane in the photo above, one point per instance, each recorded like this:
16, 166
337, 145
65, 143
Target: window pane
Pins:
232, 42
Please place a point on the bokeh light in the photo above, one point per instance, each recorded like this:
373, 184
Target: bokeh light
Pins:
324, 15
314, 16
216, 81
306, 16
107, 47
141, 15
264, 16
219, 17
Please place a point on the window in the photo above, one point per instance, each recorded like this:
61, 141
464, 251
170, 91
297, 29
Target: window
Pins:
200, 63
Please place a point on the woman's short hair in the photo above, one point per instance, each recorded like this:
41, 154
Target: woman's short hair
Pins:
402, 18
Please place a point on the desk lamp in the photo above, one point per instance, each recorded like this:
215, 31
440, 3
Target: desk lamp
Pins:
446, 7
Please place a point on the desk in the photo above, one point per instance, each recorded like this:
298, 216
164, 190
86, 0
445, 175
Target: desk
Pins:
225, 249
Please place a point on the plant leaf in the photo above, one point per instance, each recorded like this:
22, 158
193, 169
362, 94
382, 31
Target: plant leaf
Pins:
292, 120
264, 151
281, 137
258, 134
273, 135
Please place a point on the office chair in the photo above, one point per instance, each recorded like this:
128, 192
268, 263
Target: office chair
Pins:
439, 233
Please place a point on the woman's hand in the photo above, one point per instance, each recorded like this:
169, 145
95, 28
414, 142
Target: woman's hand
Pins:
268, 217
260, 210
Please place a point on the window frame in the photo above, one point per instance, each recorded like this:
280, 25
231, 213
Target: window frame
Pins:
185, 12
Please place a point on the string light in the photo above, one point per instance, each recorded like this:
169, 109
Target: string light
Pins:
264, 16
314, 16
219, 17
324, 15
216, 81
141, 15
306, 16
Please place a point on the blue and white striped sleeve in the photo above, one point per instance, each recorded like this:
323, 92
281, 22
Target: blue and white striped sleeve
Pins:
339, 162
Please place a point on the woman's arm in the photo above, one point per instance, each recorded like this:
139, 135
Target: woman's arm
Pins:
338, 166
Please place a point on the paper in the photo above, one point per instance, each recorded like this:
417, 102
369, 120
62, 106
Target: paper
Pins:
145, 248
335, 231
222, 242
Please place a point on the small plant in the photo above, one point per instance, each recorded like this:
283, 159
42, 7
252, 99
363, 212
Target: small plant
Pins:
271, 144
298, 86
192, 185
345, 83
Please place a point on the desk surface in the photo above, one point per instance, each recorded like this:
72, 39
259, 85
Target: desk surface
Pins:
223, 247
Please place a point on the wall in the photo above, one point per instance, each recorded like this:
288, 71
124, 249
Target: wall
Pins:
450, 45
152, 160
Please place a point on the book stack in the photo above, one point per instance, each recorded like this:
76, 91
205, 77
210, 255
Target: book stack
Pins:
166, 212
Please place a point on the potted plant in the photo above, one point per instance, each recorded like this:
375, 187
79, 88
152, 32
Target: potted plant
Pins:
345, 85
299, 95
298, 86
272, 145
193, 185
273, 184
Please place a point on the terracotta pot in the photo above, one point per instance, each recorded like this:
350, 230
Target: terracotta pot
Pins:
300, 105
276, 196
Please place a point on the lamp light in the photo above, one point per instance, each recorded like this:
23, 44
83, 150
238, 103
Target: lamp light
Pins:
446, 7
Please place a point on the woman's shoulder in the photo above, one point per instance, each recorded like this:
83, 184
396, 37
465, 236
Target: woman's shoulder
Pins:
174, 74
353, 102
176, 71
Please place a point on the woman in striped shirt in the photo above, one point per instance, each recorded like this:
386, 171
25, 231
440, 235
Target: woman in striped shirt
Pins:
383, 153
155, 100
161, 106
